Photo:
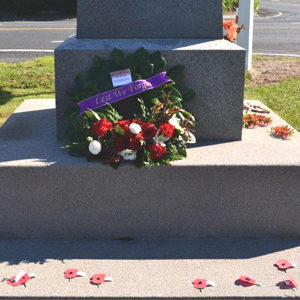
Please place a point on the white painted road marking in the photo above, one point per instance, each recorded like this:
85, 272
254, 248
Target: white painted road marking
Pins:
26, 50
56, 41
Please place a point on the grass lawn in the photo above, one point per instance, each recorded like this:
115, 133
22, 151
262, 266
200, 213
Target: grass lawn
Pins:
276, 82
26, 80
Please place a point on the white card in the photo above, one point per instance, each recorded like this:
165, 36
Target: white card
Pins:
121, 77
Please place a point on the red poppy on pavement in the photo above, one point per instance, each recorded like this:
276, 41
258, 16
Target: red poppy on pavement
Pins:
201, 284
20, 279
291, 282
98, 278
284, 264
72, 273
247, 279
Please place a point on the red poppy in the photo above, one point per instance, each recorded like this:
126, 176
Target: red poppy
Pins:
200, 283
125, 126
98, 278
284, 264
247, 279
23, 280
71, 273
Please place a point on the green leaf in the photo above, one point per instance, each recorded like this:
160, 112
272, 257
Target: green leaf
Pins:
140, 159
187, 93
98, 61
115, 165
117, 56
176, 73
71, 110
174, 99
119, 130
92, 115
136, 77
142, 56
146, 70
158, 61
130, 62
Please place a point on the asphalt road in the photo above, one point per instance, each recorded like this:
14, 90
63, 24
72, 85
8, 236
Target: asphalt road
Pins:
277, 32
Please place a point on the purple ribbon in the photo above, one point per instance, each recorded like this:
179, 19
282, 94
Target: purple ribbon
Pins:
123, 92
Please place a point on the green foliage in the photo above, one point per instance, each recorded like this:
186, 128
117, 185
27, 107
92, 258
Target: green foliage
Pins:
142, 65
231, 5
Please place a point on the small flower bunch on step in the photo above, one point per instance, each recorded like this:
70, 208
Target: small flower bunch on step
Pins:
254, 120
284, 132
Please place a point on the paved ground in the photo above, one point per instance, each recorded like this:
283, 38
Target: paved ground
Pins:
277, 32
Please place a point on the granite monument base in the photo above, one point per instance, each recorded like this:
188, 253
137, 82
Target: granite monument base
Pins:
214, 69
246, 189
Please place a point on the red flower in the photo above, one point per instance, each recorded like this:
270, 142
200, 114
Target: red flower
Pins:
248, 280
135, 143
284, 264
98, 278
283, 132
23, 280
200, 283
125, 126
167, 130
157, 152
138, 121
101, 127
122, 143
71, 273
149, 130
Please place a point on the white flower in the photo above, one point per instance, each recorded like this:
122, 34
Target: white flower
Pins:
135, 128
128, 154
95, 147
160, 139
174, 121
191, 138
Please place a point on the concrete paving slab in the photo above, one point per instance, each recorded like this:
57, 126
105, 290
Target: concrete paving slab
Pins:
149, 269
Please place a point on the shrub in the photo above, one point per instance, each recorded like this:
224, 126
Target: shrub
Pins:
230, 5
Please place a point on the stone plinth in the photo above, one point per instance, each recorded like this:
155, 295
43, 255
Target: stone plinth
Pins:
142, 19
239, 189
214, 69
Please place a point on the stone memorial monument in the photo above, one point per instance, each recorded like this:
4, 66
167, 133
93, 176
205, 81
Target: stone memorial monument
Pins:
148, 228
188, 32
213, 186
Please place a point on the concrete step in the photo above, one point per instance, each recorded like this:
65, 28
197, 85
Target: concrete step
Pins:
149, 269
240, 189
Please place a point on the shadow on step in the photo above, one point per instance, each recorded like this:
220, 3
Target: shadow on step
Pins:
14, 252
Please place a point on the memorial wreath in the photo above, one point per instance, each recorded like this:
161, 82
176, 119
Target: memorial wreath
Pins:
155, 135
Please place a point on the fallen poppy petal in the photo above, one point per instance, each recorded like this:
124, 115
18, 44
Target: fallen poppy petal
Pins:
291, 281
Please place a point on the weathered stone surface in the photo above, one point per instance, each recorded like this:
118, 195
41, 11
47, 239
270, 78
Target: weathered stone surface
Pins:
149, 269
146, 19
241, 189
214, 69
